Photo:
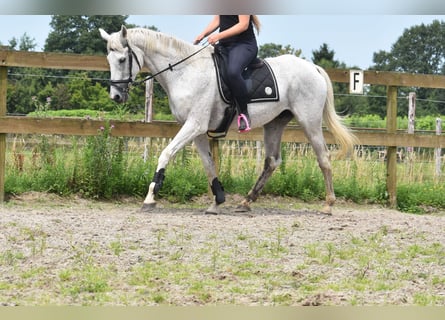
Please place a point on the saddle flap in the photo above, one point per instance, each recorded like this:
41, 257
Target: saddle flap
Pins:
259, 77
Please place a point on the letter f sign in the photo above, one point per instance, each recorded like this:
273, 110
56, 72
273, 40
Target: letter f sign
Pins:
356, 81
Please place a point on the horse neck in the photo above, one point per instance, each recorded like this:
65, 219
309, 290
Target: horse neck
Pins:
159, 50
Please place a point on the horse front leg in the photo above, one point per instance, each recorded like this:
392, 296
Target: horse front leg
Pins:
185, 135
202, 145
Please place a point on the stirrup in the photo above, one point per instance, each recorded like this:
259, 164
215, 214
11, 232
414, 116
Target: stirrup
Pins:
243, 117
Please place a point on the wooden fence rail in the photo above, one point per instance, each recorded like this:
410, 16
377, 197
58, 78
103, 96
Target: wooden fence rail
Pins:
390, 138
168, 129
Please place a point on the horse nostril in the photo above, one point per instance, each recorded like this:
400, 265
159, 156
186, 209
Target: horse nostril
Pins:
117, 98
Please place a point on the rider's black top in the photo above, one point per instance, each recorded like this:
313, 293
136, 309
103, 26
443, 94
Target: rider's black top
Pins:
226, 22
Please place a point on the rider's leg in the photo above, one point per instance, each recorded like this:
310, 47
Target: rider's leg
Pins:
239, 57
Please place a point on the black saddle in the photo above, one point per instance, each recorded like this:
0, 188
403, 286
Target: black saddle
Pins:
259, 77
260, 81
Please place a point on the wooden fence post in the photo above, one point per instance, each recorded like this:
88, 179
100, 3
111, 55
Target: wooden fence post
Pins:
411, 117
391, 165
438, 151
148, 117
3, 89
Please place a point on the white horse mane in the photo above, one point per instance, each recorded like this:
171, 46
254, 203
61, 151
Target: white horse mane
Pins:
149, 40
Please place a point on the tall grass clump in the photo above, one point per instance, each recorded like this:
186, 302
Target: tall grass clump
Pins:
420, 198
103, 164
47, 169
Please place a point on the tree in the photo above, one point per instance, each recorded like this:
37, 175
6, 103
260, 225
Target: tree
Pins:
345, 104
25, 43
420, 49
324, 57
80, 34
24, 82
274, 50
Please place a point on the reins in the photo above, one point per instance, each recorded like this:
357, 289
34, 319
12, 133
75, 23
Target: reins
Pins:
170, 67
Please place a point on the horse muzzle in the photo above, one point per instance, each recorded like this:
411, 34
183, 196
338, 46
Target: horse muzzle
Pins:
119, 91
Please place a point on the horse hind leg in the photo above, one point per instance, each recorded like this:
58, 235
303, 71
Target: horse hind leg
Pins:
315, 137
272, 145
270, 164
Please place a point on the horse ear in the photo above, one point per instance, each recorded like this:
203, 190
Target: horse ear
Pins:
124, 36
124, 31
104, 34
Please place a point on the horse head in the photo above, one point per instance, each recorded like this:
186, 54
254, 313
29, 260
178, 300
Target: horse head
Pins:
121, 58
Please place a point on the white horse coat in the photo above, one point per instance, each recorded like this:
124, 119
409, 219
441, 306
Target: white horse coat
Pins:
305, 93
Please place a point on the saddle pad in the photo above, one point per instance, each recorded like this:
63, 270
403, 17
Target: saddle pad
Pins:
260, 81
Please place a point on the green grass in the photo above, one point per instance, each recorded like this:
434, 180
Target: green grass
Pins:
106, 167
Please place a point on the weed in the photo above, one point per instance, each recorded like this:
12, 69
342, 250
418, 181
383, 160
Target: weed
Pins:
10, 257
91, 279
117, 247
158, 298
103, 163
282, 299
426, 299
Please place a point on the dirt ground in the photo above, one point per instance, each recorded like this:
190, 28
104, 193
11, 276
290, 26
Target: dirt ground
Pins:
361, 255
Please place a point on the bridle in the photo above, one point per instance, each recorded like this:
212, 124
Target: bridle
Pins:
129, 81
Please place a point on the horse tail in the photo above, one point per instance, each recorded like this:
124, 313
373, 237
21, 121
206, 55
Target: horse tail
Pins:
341, 133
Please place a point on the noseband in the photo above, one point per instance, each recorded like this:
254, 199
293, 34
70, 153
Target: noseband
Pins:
115, 83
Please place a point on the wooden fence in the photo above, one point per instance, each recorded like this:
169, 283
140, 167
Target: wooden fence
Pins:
390, 138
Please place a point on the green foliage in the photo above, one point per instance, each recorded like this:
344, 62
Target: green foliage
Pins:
303, 181
324, 57
427, 44
86, 95
273, 50
80, 34
184, 182
419, 198
375, 121
365, 121
25, 43
104, 164
105, 167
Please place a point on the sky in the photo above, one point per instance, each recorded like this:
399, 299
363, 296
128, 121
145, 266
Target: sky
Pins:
353, 37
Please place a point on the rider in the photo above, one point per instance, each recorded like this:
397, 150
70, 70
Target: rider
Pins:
237, 36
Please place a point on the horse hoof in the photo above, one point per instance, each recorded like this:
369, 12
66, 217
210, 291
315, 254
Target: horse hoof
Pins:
148, 207
213, 210
242, 208
327, 210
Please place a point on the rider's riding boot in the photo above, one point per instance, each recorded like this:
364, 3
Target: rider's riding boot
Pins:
243, 118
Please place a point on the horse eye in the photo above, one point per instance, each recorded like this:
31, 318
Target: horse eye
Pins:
122, 60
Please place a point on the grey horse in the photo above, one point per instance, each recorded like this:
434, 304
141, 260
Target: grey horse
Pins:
306, 94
